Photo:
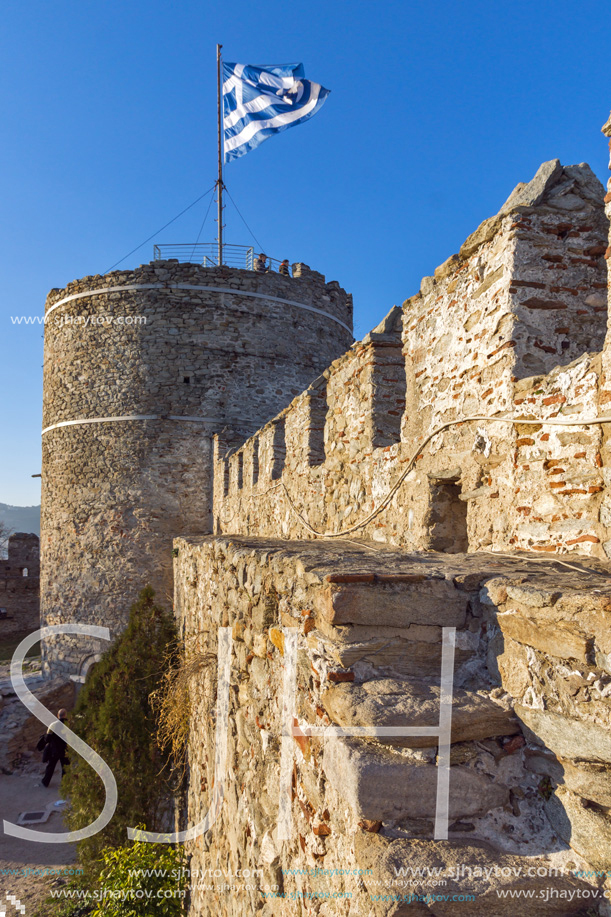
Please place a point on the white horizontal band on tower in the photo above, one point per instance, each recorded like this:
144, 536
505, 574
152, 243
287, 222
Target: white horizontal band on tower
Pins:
190, 286
73, 423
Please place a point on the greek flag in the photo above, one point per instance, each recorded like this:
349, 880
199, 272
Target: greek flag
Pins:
261, 101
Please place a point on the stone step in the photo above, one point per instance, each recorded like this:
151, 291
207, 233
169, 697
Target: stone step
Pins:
391, 600
383, 785
414, 702
408, 651
481, 881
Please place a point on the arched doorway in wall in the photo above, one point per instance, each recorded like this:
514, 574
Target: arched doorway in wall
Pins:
85, 668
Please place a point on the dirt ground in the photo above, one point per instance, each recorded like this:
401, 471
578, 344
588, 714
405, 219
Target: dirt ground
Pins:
29, 869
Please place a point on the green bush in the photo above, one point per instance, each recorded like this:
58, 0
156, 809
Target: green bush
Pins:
142, 880
67, 901
115, 717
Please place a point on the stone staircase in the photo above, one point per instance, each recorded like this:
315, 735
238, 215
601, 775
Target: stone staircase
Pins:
528, 814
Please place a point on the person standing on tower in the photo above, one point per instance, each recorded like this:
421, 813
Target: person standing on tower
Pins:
260, 265
284, 268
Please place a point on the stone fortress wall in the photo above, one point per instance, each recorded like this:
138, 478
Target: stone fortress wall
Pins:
530, 757
159, 359
428, 524
501, 530
19, 585
512, 325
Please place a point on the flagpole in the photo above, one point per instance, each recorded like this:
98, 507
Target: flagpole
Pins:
219, 184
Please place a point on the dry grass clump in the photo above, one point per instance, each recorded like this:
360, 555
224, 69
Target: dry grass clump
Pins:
171, 701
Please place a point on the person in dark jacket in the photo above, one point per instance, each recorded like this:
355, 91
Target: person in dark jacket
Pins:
284, 268
55, 750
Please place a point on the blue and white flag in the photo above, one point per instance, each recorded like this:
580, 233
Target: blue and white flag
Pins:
261, 101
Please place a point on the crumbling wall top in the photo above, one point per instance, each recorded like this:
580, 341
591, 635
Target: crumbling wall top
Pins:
172, 271
554, 187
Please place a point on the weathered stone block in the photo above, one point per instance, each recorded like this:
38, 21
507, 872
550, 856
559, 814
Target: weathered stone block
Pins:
380, 785
407, 656
592, 781
478, 880
531, 595
513, 666
558, 639
566, 737
586, 828
389, 702
421, 601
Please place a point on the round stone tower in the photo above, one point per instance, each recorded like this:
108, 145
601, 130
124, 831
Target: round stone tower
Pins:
141, 368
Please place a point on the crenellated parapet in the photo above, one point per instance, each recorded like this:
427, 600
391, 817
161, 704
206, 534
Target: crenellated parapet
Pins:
526, 293
514, 311
416, 504
19, 585
348, 414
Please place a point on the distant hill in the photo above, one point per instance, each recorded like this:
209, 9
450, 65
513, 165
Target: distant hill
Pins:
21, 518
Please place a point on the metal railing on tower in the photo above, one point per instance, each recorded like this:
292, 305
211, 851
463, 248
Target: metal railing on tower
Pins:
206, 253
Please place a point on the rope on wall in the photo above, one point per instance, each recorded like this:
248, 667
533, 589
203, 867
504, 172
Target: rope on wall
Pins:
391, 493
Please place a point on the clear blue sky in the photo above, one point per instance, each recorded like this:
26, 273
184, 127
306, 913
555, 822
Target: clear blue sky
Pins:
109, 129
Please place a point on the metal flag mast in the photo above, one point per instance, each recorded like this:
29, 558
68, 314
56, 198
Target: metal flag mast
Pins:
219, 182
